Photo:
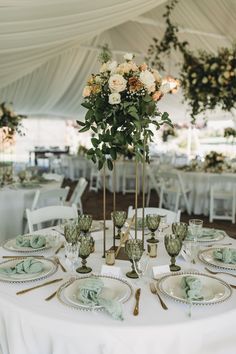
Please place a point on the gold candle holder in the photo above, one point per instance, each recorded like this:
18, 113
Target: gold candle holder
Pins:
152, 250
110, 257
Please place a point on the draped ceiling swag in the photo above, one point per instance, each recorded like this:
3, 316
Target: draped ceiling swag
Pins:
48, 48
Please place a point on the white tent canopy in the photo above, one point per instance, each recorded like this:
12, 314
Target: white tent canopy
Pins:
49, 47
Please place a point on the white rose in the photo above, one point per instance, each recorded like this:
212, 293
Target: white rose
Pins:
111, 65
156, 75
117, 83
165, 88
148, 79
128, 56
114, 98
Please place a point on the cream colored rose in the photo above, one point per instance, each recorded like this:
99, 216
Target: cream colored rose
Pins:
87, 91
117, 83
123, 68
165, 88
156, 75
128, 56
112, 65
148, 79
114, 98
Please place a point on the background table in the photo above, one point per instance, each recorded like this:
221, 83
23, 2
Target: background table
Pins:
30, 325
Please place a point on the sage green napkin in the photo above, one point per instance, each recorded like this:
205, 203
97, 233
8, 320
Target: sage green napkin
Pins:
89, 293
225, 255
192, 287
27, 266
208, 233
35, 241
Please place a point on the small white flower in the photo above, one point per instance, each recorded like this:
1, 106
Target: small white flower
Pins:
205, 80
114, 98
194, 74
214, 66
128, 56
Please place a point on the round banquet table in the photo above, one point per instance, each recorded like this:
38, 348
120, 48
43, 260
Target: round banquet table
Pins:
30, 325
13, 202
199, 183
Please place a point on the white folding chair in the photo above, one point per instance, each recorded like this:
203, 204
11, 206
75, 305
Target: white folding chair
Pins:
154, 183
95, 179
50, 213
77, 194
223, 198
53, 177
173, 187
171, 216
129, 177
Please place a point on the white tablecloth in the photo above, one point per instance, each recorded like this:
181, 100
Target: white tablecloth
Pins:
13, 202
199, 183
30, 325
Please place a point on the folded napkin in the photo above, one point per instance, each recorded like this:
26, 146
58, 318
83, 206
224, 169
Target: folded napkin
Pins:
34, 241
225, 255
209, 233
192, 287
27, 266
89, 293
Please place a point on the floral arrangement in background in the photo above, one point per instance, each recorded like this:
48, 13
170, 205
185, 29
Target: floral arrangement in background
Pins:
208, 80
121, 102
10, 122
214, 162
230, 132
169, 131
82, 150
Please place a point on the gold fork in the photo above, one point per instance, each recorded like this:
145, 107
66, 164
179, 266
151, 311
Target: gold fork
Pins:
212, 272
155, 292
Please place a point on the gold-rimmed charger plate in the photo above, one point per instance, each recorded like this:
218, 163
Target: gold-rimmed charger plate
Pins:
206, 256
214, 290
49, 268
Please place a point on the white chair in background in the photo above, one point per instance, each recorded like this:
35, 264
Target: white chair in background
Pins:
53, 177
156, 183
223, 197
50, 213
77, 194
95, 179
171, 216
129, 177
173, 190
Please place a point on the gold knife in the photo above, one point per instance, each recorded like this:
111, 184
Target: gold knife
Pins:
137, 297
23, 256
38, 286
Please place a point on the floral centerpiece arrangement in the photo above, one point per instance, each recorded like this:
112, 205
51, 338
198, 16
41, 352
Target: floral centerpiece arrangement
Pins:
214, 162
121, 102
10, 122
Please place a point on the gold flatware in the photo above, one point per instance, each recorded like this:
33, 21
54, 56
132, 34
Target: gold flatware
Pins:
59, 248
220, 244
213, 272
29, 256
50, 297
38, 286
57, 260
155, 292
137, 298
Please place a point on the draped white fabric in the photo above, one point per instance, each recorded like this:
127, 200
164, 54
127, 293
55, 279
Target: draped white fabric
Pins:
47, 46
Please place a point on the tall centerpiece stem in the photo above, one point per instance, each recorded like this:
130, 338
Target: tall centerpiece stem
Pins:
104, 210
114, 200
143, 188
136, 196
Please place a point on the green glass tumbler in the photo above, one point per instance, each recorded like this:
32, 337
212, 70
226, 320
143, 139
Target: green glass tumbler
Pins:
119, 218
173, 246
153, 222
134, 250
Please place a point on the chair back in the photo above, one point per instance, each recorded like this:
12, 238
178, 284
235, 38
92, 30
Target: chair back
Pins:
53, 177
50, 213
55, 196
79, 190
171, 216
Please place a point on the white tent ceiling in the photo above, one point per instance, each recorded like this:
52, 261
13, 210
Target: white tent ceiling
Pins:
49, 47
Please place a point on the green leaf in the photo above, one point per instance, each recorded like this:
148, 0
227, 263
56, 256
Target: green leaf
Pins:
94, 129
113, 153
95, 142
147, 98
86, 105
80, 123
110, 164
84, 129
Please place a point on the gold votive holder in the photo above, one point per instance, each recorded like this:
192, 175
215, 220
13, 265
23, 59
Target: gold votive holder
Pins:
152, 249
110, 257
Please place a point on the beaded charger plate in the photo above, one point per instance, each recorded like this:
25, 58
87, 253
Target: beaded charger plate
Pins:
11, 245
114, 289
49, 268
214, 290
207, 257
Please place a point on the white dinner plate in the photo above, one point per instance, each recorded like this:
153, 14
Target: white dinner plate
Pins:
114, 289
11, 245
210, 235
214, 290
206, 256
49, 268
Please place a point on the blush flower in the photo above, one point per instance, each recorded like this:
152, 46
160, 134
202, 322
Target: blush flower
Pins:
117, 83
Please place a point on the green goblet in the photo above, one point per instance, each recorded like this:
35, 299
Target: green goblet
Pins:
153, 221
72, 232
84, 252
85, 223
173, 246
119, 218
134, 250
180, 229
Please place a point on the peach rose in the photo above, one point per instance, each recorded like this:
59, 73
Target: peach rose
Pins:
157, 96
87, 91
143, 67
